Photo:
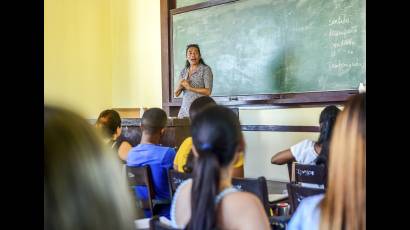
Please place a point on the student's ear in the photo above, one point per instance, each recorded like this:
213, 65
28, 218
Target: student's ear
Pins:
194, 152
118, 132
241, 145
162, 131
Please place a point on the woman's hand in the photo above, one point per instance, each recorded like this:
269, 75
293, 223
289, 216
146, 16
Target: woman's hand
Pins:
180, 88
185, 84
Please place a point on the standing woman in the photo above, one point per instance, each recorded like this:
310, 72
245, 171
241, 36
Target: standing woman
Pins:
195, 80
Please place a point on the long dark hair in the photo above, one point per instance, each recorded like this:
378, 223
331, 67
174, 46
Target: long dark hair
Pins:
327, 121
187, 64
216, 134
109, 120
196, 107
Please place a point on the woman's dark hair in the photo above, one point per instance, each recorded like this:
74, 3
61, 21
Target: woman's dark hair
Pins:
327, 121
197, 106
216, 135
187, 64
109, 120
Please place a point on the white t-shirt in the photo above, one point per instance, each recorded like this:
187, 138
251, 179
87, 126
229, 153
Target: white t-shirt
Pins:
304, 152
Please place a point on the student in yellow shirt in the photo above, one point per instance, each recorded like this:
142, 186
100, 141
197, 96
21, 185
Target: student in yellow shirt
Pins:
184, 159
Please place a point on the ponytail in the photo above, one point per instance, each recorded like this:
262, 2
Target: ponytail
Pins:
205, 187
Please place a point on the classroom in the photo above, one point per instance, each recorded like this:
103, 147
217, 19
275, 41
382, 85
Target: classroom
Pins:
276, 64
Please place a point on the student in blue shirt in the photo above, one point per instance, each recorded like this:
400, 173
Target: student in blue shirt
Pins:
159, 158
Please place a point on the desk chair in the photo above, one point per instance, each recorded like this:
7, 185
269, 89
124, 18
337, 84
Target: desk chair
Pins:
175, 178
141, 176
256, 186
297, 193
290, 169
313, 174
156, 224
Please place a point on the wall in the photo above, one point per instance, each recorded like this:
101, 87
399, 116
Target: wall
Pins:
77, 55
102, 53
261, 145
136, 53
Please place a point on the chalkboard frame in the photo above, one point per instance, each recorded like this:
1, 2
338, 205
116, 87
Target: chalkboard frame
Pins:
171, 105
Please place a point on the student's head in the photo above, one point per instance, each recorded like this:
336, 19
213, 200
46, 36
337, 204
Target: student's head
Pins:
200, 104
154, 121
217, 141
83, 185
110, 122
345, 199
193, 55
327, 120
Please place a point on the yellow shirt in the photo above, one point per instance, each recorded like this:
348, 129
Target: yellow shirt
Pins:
183, 152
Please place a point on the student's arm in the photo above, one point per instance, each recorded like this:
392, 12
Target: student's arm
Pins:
282, 157
123, 150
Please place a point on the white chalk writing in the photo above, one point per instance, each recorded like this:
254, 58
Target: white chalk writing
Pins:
337, 33
340, 20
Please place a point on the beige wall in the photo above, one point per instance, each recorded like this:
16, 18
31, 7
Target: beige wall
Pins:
77, 51
136, 53
102, 53
261, 145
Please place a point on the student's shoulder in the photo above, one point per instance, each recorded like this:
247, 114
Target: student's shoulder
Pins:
240, 200
305, 143
311, 202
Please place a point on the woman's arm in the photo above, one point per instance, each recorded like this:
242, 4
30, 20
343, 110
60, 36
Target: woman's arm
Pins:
179, 91
282, 157
203, 91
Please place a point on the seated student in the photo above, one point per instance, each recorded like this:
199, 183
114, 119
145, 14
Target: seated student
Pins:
344, 204
307, 151
184, 159
159, 158
208, 200
110, 121
83, 185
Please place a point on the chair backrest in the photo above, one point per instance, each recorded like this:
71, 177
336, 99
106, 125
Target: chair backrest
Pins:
256, 186
313, 174
175, 178
156, 224
141, 176
297, 193
290, 169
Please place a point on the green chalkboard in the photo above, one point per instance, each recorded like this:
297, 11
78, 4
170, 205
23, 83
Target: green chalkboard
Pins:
276, 46
182, 3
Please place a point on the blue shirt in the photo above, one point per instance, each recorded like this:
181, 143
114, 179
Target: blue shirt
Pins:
160, 159
307, 215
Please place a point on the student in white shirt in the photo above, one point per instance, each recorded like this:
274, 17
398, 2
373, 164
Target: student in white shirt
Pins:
308, 151
343, 206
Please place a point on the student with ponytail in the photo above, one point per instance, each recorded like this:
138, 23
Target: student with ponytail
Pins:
208, 200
